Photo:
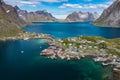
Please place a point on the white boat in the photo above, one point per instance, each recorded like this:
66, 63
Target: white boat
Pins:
22, 51
26, 38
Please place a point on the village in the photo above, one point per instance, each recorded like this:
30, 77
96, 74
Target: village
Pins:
79, 47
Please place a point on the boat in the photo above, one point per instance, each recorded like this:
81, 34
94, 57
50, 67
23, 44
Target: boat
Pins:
22, 51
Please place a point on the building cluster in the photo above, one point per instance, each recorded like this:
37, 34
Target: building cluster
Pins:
77, 48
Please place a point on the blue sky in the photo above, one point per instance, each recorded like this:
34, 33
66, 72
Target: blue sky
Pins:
61, 8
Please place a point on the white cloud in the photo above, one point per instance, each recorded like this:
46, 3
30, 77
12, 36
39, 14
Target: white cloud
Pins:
22, 2
71, 6
53, 1
32, 3
60, 16
29, 2
95, 6
86, 6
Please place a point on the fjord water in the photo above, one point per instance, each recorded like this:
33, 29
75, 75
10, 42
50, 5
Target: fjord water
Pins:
21, 60
29, 65
64, 30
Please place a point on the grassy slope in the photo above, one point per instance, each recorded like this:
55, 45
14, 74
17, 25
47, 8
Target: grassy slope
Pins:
10, 23
112, 46
6, 28
100, 22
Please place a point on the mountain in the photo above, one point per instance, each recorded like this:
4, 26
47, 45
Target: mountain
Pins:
10, 23
81, 17
110, 16
38, 16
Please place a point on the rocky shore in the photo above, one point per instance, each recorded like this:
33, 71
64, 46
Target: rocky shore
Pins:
27, 36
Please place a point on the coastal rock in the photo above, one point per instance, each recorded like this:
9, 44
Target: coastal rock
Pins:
10, 23
81, 17
38, 16
110, 16
116, 75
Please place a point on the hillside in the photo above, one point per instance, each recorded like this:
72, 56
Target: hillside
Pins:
37, 16
81, 17
10, 23
110, 16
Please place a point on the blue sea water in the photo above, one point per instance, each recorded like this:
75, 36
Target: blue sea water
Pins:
29, 65
21, 60
64, 30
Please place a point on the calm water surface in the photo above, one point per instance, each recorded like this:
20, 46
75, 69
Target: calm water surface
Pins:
64, 30
29, 65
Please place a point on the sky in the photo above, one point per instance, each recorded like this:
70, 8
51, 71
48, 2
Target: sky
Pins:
61, 8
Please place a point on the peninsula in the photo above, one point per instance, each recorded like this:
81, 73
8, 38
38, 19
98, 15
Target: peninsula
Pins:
106, 51
26, 36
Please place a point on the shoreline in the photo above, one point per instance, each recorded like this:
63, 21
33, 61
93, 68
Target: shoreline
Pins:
27, 36
61, 49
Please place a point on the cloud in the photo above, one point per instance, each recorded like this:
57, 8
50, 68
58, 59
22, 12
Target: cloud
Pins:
53, 1
95, 6
86, 6
60, 16
22, 2
29, 2
32, 3
71, 6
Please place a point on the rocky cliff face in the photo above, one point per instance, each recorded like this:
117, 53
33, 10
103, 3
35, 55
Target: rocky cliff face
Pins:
110, 16
38, 16
81, 17
10, 23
